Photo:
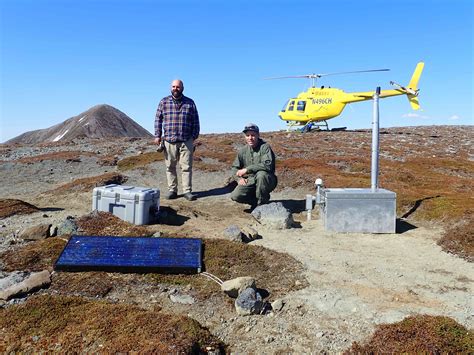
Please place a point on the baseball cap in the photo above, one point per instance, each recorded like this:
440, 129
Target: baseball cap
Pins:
251, 127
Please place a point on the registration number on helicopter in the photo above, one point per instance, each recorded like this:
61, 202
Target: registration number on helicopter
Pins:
322, 101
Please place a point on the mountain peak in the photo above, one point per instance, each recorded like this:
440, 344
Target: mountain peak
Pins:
99, 121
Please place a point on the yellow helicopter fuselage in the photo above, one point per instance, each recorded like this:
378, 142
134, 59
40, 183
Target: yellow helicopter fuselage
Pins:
321, 104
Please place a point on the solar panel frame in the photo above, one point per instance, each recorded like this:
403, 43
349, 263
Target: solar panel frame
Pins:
131, 254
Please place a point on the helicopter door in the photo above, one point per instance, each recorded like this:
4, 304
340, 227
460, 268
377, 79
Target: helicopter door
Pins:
291, 106
301, 106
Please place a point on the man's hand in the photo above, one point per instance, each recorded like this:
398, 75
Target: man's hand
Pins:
157, 141
242, 181
241, 172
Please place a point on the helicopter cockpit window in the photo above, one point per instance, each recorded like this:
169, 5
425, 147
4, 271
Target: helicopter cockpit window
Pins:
284, 106
301, 106
291, 106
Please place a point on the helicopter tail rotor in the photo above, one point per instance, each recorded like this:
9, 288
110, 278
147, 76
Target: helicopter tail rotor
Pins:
407, 90
411, 89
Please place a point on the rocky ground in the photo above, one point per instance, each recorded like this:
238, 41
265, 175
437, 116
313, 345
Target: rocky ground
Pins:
348, 283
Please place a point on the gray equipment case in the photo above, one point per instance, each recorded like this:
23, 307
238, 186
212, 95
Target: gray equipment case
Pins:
132, 204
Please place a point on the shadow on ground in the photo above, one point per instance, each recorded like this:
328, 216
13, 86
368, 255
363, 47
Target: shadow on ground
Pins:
51, 209
403, 226
418, 204
170, 217
294, 206
216, 191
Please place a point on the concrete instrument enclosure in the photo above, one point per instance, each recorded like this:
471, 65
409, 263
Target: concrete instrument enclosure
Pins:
359, 210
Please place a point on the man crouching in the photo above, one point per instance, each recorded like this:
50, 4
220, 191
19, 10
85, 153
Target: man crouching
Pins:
254, 169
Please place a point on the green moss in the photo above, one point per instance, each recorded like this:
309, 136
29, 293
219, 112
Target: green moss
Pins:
418, 334
459, 238
73, 324
445, 208
34, 256
226, 142
139, 160
273, 271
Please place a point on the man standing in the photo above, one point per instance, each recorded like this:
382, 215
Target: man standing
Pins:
178, 118
254, 169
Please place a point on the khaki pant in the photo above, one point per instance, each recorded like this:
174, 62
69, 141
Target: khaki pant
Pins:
182, 152
257, 190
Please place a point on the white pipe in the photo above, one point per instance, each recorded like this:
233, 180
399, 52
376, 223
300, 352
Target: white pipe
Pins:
309, 206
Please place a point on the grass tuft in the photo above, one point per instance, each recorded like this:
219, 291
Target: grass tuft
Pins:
421, 334
141, 160
10, 207
96, 326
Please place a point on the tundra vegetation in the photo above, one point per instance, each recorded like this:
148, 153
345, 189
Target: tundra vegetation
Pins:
431, 175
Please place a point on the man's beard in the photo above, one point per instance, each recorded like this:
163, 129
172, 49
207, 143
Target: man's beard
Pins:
176, 95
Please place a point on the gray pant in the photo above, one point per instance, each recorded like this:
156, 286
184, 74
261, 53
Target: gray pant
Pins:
257, 190
182, 152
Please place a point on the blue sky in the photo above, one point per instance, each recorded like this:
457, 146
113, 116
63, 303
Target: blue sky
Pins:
59, 58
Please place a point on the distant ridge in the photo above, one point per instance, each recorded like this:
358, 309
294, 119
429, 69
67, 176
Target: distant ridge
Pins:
99, 121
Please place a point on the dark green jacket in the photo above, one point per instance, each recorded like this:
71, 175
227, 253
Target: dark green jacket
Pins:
257, 159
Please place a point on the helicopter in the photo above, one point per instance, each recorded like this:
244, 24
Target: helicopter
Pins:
312, 108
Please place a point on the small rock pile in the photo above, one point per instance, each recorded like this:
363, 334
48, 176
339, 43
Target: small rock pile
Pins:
247, 299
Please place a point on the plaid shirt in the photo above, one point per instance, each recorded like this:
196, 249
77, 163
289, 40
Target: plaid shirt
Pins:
179, 120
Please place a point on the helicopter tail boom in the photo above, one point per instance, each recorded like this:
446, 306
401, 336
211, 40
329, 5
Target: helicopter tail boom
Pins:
411, 90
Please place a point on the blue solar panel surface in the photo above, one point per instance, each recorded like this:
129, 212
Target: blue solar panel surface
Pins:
131, 254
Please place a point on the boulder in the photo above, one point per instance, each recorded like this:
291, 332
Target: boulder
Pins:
278, 305
245, 235
31, 283
233, 233
249, 302
69, 226
250, 234
8, 279
273, 215
39, 232
235, 286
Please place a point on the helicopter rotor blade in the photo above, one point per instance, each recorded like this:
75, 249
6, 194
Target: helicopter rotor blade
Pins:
307, 76
315, 76
352, 72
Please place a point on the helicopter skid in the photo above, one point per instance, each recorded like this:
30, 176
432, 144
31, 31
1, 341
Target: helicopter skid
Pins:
313, 126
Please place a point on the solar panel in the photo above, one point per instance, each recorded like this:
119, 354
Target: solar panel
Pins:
131, 254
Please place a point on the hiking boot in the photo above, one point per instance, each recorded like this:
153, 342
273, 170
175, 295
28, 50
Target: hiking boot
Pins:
253, 205
171, 195
189, 196
263, 201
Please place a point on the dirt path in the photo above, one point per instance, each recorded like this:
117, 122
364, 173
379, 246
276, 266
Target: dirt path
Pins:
380, 278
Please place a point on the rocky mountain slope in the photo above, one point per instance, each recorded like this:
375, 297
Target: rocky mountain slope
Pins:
99, 121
